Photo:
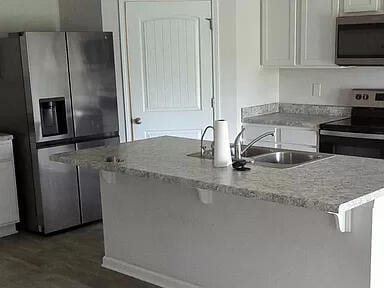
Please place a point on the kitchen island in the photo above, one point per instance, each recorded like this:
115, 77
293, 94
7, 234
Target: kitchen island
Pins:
175, 221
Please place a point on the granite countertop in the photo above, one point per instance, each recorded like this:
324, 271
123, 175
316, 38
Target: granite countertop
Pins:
291, 119
334, 184
5, 137
294, 115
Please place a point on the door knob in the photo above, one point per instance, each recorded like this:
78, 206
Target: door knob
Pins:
137, 121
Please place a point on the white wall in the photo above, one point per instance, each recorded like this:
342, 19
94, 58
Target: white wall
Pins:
80, 15
242, 81
29, 15
296, 84
227, 74
255, 86
110, 22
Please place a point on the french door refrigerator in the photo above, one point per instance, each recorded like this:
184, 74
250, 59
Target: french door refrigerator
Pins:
57, 94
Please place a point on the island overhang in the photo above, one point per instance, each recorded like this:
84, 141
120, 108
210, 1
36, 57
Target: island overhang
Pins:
334, 185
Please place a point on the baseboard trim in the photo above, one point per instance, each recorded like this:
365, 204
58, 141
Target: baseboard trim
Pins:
8, 230
144, 274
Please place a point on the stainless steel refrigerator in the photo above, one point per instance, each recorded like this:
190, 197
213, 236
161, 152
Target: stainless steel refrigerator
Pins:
57, 94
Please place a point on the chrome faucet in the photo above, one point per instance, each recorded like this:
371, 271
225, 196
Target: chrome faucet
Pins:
239, 152
203, 149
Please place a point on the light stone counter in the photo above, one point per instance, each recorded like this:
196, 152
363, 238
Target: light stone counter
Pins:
291, 120
294, 115
334, 184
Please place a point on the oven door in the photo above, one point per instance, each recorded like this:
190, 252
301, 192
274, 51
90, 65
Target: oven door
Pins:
353, 144
359, 41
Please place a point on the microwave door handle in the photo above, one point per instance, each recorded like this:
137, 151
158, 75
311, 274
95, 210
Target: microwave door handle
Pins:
352, 135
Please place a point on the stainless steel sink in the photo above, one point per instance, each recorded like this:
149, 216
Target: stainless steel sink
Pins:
272, 157
257, 151
287, 159
251, 152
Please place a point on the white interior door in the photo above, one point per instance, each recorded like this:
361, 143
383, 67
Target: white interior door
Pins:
170, 67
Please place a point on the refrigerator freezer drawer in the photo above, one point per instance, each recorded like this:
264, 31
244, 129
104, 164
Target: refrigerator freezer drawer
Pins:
89, 184
59, 191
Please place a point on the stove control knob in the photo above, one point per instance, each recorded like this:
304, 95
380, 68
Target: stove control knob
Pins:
358, 97
365, 97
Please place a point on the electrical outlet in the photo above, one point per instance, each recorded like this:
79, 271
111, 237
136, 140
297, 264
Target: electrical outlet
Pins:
316, 89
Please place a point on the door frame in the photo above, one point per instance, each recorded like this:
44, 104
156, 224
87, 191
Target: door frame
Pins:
216, 111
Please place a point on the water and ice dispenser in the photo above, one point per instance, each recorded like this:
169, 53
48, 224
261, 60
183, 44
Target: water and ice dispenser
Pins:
53, 117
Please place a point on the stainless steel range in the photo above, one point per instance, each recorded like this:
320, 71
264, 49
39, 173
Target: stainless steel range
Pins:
363, 133
57, 94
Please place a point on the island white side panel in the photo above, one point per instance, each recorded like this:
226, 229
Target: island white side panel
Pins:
378, 244
162, 233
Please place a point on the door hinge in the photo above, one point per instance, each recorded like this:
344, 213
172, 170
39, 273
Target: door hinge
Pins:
213, 102
210, 23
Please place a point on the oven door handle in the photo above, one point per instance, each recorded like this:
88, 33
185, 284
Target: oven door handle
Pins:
352, 135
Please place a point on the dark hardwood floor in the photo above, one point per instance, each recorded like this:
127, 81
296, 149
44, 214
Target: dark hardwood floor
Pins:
68, 260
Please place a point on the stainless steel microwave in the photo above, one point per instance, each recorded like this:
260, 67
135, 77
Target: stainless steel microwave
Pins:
360, 40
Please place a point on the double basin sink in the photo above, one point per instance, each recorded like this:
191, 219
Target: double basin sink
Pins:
275, 158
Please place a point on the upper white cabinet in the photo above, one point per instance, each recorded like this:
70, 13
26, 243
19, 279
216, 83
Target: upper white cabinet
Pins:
279, 32
318, 27
299, 33
352, 6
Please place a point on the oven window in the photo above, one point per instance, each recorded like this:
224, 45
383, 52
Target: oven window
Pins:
352, 146
357, 151
361, 41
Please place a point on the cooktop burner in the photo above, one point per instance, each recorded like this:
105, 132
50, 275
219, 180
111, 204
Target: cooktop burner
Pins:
355, 126
367, 114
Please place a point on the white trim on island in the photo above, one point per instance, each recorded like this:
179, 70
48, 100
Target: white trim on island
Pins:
145, 274
343, 221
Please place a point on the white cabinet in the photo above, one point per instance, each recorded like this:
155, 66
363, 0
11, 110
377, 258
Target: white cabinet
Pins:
352, 6
252, 131
311, 24
9, 212
278, 32
303, 148
318, 27
292, 138
298, 136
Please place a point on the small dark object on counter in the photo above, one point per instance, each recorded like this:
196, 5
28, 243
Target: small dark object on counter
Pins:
240, 165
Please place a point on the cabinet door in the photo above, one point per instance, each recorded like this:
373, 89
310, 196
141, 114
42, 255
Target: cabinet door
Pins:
9, 212
351, 6
299, 137
279, 32
253, 131
318, 27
